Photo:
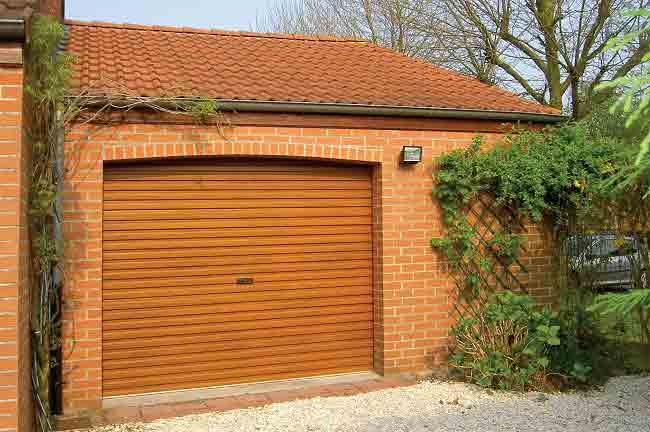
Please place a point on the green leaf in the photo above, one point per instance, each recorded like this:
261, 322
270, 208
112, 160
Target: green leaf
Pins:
554, 341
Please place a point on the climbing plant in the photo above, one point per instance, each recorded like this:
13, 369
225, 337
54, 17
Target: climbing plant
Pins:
488, 195
52, 112
532, 176
47, 78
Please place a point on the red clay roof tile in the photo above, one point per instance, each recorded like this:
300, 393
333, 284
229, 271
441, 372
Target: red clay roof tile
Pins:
168, 61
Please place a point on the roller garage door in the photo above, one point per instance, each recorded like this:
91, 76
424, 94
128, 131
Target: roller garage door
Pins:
234, 271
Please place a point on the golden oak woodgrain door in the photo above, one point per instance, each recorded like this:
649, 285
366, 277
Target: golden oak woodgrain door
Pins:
231, 271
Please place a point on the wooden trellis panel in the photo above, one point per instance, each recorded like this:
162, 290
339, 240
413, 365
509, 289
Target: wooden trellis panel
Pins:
488, 219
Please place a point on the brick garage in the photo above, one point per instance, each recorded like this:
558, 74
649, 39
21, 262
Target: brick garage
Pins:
410, 288
298, 100
413, 320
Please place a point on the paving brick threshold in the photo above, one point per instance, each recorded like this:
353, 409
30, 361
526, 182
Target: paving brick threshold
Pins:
150, 413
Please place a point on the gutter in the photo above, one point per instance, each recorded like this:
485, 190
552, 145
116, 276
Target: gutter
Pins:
387, 110
12, 30
333, 108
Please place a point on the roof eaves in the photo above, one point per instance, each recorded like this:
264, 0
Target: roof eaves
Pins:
12, 29
389, 110
350, 109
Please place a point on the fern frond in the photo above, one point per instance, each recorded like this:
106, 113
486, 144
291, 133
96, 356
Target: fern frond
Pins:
621, 304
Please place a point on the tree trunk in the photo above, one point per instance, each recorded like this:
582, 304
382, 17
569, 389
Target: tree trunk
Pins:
547, 21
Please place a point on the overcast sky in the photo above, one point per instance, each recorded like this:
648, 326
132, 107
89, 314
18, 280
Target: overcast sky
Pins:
222, 14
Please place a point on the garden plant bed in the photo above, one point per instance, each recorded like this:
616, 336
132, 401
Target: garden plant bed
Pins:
622, 405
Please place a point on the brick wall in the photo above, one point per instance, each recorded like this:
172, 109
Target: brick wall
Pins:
15, 394
412, 303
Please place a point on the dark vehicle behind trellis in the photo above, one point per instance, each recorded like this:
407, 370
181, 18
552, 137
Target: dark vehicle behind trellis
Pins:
606, 261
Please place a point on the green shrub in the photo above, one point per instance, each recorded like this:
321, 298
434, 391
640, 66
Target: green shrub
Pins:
635, 303
511, 344
581, 348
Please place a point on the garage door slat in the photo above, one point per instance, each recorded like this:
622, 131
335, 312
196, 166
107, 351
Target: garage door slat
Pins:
244, 269
283, 343
236, 204
197, 329
240, 297
206, 176
237, 372
231, 288
110, 226
235, 251
169, 311
224, 279
235, 288
233, 232
235, 241
236, 185
235, 260
195, 366
361, 366
194, 319
231, 353
179, 235
234, 336
131, 215
229, 195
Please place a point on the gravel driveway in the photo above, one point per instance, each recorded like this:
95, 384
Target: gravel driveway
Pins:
623, 405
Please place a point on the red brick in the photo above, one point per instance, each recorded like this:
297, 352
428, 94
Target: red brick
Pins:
254, 400
152, 413
122, 415
280, 396
340, 389
189, 408
224, 404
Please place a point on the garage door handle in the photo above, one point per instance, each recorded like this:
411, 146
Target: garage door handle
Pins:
245, 281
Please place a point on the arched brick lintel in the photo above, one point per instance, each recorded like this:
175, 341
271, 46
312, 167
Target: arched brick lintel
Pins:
240, 148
